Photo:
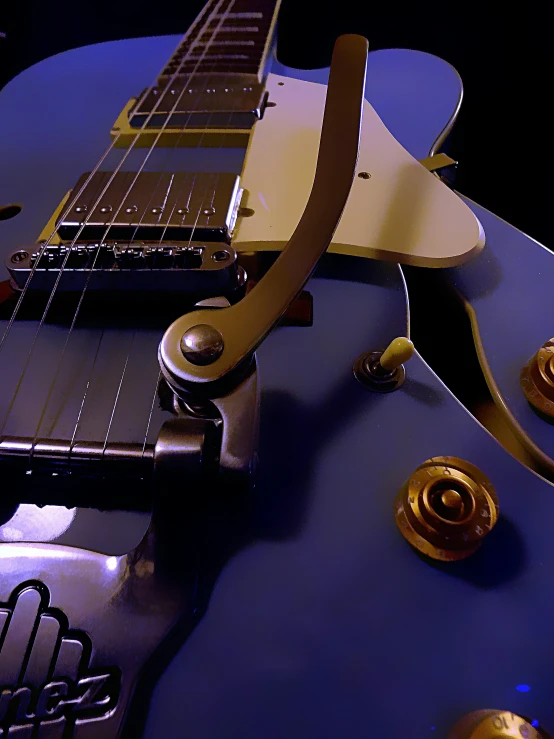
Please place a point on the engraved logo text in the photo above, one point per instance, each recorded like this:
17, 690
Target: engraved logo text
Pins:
44, 669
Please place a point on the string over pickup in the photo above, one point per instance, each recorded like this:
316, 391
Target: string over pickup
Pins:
203, 101
163, 206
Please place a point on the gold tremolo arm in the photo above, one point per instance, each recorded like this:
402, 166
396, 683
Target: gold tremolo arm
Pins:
204, 346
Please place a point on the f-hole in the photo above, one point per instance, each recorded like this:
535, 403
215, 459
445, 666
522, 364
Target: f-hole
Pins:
10, 211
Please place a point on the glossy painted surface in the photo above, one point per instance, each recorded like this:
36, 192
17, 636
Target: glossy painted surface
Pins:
510, 287
329, 624
324, 623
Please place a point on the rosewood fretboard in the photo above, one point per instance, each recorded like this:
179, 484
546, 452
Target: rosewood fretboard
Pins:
233, 38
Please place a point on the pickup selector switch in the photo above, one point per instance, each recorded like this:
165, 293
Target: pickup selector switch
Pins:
381, 371
446, 508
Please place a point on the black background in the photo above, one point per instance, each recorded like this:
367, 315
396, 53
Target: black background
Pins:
503, 53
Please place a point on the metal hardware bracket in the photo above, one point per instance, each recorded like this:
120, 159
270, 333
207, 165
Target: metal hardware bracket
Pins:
437, 161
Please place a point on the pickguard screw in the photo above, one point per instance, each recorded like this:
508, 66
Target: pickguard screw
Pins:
220, 256
19, 256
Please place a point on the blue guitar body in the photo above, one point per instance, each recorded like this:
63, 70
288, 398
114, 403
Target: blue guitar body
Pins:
323, 622
508, 291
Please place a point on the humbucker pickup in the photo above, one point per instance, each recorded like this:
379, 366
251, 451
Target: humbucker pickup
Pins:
205, 269
211, 101
173, 206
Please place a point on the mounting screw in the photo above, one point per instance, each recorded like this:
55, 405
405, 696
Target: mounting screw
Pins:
220, 256
202, 344
19, 256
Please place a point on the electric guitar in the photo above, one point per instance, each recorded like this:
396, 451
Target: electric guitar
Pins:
148, 587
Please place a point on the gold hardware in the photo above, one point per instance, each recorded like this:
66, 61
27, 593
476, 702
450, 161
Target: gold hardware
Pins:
446, 508
244, 325
537, 379
437, 161
489, 724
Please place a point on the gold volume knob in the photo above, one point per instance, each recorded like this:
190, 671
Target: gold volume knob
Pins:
446, 508
490, 724
537, 379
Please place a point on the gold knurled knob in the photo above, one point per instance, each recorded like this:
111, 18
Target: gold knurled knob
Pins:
537, 379
489, 724
446, 508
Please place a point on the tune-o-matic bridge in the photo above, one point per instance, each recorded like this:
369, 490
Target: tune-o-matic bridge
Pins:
192, 268
150, 231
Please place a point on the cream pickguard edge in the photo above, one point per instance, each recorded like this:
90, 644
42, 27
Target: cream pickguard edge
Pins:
401, 213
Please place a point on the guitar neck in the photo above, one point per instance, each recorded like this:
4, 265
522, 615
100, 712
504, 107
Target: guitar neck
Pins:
229, 37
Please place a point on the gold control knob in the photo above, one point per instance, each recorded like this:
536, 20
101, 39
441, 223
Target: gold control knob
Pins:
537, 379
446, 508
490, 724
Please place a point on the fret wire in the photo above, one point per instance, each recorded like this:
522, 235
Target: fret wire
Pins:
262, 29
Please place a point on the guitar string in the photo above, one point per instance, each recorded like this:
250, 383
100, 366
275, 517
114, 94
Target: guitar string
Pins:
21, 378
152, 406
264, 64
57, 281
224, 138
87, 386
199, 211
118, 395
407, 300
215, 10
74, 198
200, 208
